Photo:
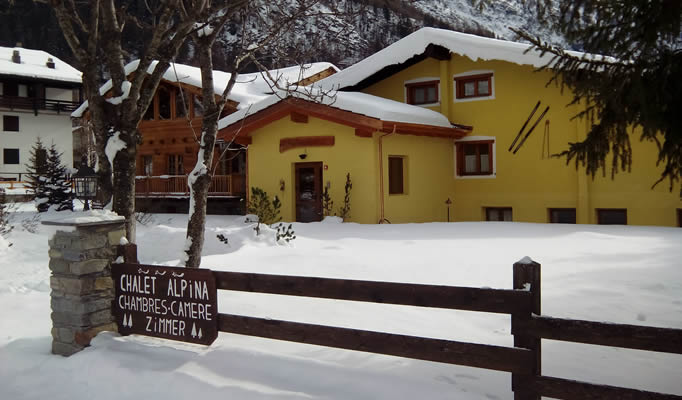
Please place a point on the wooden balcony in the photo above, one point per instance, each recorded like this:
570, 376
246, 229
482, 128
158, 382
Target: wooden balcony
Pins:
38, 104
175, 186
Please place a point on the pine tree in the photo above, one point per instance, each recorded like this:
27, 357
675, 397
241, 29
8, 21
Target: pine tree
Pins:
267, 211
327, 202
58, 187
638, 91
37, 173
344, 211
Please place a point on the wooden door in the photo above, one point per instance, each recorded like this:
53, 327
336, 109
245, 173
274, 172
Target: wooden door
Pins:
308, 192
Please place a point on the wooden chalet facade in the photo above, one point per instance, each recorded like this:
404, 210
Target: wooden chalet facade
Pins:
168, 150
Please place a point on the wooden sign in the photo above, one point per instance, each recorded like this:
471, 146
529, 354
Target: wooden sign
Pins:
166, 302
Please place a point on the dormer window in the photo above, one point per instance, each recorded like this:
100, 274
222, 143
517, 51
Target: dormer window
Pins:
421, 93
475, 86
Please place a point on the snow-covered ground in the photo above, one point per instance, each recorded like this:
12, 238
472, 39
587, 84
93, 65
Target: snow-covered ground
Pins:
618, 274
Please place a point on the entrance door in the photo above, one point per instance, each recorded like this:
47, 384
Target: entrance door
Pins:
308, 192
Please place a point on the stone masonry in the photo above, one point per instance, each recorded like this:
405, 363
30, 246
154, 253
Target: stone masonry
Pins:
82, 288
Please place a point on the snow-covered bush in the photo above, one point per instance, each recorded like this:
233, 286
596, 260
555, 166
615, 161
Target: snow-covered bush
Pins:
285, 233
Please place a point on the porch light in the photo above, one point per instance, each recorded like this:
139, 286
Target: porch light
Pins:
86, 185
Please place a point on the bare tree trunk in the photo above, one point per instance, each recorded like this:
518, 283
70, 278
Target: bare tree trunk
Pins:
199, 179
124, 181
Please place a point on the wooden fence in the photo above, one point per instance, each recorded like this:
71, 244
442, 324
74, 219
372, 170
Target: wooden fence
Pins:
522, 303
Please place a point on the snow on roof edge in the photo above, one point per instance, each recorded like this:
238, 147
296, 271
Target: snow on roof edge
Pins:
467, 45
249, 88
355, 102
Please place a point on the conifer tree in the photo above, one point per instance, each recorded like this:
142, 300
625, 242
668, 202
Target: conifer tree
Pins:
37, 174
58, 187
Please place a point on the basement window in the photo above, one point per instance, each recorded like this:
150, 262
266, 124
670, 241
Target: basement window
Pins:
562, 215
612, 216
498, 214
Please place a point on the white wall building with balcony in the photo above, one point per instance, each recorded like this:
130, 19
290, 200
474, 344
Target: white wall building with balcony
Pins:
38, 92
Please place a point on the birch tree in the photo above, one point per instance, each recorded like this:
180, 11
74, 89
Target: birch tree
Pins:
274, 19
94, 31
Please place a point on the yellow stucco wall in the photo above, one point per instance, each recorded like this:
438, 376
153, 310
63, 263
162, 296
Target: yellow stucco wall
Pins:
528, 181
428, 163
350, 154
428, 175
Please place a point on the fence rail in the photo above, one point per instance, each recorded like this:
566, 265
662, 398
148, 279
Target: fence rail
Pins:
523, 304
664, 340
460, 298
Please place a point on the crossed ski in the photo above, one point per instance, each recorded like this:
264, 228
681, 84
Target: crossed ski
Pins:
530, 130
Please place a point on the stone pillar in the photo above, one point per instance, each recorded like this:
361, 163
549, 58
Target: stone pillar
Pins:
82, 288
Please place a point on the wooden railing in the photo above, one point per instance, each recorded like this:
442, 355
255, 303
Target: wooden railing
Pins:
176, 185
523, 304
36, 104
13, 184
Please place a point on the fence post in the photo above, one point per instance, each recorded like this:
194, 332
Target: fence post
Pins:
527, 277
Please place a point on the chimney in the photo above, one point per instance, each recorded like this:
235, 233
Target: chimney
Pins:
16, 58
50, 63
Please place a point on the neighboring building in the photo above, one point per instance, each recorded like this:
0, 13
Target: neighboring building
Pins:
37, 93
428, 121
172, 126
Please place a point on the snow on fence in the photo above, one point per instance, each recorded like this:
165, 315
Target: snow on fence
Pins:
522, 303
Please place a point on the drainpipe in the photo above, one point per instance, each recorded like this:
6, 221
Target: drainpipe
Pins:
382, 218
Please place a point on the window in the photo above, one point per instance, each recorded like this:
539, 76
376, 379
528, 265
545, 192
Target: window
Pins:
474, 86
562, 215
148, 164
198, 106
10, 89
164, 97
612, 216
422, 92
10, 123
182, 104
175, 166
396, 175
475, 157
498, 214
10, 156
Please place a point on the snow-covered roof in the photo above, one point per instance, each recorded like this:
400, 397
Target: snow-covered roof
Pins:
471, 46
355, 102
248, 89
33, 65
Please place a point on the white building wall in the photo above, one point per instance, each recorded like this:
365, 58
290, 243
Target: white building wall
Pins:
51, 128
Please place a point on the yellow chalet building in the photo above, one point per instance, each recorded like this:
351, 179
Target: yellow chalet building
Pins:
441, 126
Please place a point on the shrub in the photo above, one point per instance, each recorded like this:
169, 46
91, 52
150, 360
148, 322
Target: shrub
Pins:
344, 211
260, 205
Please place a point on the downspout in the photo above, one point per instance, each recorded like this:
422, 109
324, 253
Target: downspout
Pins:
382, 218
